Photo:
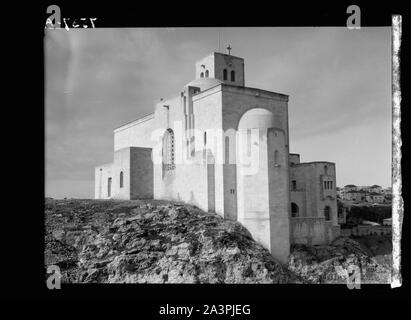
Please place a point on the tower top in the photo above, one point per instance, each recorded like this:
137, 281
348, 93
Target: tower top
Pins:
224, 67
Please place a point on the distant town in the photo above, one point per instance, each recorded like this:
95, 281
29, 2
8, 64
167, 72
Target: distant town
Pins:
364, 210
365, 194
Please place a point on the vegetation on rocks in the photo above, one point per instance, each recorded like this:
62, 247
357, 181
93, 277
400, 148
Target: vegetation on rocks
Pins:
153, 242
144, 241
334, 262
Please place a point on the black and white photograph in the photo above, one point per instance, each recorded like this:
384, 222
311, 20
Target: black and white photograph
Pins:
226, 160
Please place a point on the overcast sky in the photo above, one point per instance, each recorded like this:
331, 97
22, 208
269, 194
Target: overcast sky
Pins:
339, 82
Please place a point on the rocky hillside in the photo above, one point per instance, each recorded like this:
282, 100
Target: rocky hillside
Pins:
163, 242
153, 242
329, 263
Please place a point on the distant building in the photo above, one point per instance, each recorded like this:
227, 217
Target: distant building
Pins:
354, 195
350, 187
388, 198
370, 223
346, 189
375, 189
375, 197
340, 193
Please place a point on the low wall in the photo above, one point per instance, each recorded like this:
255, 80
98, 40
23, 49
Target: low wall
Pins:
313, 231
308, 231
367, 231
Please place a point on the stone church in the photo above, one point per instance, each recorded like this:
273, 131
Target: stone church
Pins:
224, 148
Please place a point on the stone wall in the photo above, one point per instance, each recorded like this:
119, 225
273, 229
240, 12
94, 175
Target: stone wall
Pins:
309, 179
134, 134
309, 231
141, 173
137, 168
101, 175
367, 230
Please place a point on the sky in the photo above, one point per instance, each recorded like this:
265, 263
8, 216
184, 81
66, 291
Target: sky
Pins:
338, 80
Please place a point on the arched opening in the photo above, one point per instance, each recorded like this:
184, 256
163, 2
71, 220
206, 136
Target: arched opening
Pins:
202, 75
294, 210
327, 213
256, 118
121, 179
225, 75
232, 75
168, 151
206, 74
109, 187
248, 137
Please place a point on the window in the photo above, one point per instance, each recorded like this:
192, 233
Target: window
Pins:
109, 187
168, 151
121, 179
202, 75
205, 138
294, 210
225, 76
206, 74
327, 213
294, 184
276, 158
325, 170
331, 184
232, 75
325, 184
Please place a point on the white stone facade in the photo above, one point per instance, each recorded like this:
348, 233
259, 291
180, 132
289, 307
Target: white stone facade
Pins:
224, 147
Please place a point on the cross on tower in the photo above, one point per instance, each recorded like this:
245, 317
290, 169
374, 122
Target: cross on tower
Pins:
229, 49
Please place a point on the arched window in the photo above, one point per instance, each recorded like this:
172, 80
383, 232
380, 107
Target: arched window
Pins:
168, 151
294, 210
109, 187
202, 75
325, 169
232, 75
327, 213
121, 179
206, 74
225, 75
276, 163
205, 138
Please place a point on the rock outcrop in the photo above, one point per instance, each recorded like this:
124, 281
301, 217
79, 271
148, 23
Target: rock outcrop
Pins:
153, 242
163, 242
333, 263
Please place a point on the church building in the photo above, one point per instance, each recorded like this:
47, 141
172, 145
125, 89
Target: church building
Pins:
224, 148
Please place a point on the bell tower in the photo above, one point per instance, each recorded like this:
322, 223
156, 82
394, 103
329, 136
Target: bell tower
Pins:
224, 67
